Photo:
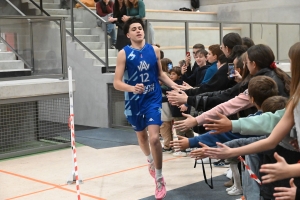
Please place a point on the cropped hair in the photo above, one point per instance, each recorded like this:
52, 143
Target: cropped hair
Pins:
232, 39
263, 57
198, 46
215, 50
237, 51
272, 104
132, 21
176, 70
181, 63
164, 64
261, 88
202, 52
222, 59
247, 42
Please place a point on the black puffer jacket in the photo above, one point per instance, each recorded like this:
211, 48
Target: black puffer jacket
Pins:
215, 98
218, 82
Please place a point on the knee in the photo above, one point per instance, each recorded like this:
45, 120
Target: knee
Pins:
154, 139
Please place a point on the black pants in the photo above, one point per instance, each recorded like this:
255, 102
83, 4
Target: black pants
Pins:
291, 157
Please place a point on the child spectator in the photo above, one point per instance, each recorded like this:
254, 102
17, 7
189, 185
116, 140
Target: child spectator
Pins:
214, 52
175, 74
188, 69
282, 129
181, 63
166, 116
198, 76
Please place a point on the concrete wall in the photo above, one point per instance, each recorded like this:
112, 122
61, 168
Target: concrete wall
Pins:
254, 10
91, 95
261, 11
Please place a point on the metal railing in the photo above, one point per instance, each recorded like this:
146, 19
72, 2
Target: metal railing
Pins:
221, 25
16, 25
105, 63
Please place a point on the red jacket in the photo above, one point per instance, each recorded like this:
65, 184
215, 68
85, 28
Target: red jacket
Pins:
109, 8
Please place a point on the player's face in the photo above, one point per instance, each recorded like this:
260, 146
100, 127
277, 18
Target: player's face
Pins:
136, 32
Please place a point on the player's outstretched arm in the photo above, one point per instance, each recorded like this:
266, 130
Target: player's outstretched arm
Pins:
162, 76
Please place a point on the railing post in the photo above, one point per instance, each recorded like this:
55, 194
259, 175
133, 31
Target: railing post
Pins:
186, 35
221, 32
31, 47
147, 31
104, 27
277, 42
63, 47
250, 30
72, 20
41, 5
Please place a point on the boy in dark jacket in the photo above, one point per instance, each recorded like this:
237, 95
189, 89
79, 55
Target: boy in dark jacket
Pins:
197, 77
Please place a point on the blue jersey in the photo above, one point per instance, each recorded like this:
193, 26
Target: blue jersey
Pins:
141, 67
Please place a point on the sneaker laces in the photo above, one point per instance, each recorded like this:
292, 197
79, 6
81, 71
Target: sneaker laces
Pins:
159, 185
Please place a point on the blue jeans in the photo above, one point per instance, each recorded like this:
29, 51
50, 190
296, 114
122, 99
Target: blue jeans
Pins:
251, 188
111, 31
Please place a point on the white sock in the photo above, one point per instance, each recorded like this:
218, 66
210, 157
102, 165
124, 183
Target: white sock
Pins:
236, 176
150, 158
158, 173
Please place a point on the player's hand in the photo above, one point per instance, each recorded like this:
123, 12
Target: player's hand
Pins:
139, 88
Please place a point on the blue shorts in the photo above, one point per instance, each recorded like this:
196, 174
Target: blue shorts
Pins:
151, 117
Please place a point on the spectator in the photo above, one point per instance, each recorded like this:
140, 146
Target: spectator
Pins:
105, 9
119, 9
214, 52
189, 70
136, 8
198, 76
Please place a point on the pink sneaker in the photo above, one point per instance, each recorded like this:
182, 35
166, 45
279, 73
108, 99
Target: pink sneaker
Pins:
151, 169
160, 190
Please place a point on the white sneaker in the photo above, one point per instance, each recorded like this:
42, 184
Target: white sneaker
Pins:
230, 188
225, 173
206, 161
180, 154
229, 174
235, 192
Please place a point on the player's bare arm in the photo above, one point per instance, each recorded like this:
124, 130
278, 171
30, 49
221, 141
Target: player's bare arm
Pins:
162, 76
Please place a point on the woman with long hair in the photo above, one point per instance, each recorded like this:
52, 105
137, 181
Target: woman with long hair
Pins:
136, 8
119, 10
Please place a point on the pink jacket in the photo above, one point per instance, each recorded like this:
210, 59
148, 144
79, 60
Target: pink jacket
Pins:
238, 103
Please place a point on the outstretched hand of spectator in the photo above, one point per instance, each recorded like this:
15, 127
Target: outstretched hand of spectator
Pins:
218, 126
199, 153
286, 193
181, 144
177, 97
222, 152
186, 124
276, 171
186, 85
